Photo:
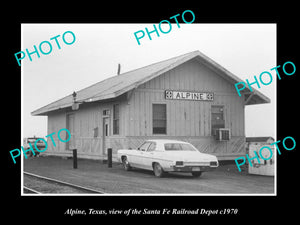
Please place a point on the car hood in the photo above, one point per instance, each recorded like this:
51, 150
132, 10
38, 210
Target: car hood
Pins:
190, 156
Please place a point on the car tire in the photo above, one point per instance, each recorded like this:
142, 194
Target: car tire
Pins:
158, 170
126, 164
196, 174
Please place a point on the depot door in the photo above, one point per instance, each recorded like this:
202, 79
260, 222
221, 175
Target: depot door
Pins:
105, 134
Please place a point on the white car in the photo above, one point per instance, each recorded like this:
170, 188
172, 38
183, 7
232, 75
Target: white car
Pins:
167, 156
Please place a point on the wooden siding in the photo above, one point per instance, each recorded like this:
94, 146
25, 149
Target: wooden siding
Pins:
188, 120
55, 122
86, 120
185, 118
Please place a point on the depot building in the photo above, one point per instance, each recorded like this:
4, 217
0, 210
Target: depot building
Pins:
189, 97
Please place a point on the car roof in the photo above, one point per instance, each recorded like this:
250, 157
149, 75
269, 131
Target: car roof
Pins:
163, 141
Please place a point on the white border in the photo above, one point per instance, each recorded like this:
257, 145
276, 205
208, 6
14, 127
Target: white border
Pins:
166, 194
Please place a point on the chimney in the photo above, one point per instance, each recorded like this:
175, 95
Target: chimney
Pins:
119, 68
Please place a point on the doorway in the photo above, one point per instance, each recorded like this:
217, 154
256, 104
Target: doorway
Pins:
105, 134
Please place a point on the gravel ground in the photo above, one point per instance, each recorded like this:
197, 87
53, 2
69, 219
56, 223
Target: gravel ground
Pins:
94, 174
46, 187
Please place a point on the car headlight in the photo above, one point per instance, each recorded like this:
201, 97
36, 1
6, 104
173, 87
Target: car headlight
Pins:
179, 163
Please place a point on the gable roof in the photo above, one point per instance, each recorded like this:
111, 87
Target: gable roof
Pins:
120, 84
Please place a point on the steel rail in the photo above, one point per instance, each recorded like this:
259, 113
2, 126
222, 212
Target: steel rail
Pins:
86, 189
30, 190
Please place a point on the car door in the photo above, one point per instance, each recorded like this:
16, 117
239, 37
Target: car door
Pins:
139, 157
149, 155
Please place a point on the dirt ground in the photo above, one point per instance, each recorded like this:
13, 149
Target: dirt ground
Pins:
94, 174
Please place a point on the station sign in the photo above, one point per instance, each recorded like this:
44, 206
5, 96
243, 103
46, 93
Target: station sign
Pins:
189, 95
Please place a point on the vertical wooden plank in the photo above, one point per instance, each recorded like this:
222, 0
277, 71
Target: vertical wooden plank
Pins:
142, 113
183, 120
150, 111
131, 114
147, 113
227, 111
206, 118
184, 112
158, 97
202, 124
239, 123
139, 112
166, 81
180, 77
233, 118
176, 81
243, 117
121, 118
192, 118
178, 114
160, 80
170, 118
198, 115
178, 120
195, 84
183, 77
188, 107
126, 121
156, 83
191, 78
172, 80
136, 113
198, 119
175, 114
177, 78
209, 119
193, 72
174, 111
241, 113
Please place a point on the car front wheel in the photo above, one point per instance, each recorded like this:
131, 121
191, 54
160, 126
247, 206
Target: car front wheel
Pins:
126, 164
158, 170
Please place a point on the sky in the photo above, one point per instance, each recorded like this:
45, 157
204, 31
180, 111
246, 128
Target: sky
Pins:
245, 50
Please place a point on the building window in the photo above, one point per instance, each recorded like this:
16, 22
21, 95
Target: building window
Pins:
116, 119
159, 115
217, 118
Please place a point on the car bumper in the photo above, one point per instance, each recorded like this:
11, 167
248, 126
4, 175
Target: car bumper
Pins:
190, 168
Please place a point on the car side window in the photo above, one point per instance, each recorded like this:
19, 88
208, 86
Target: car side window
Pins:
152, 147
144, 146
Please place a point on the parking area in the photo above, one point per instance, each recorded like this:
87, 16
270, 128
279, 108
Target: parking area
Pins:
94, 174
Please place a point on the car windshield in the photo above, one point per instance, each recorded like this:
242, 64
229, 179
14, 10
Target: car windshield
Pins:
179, 147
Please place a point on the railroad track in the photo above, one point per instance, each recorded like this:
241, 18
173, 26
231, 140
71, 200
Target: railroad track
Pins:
30, 191
36, 184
